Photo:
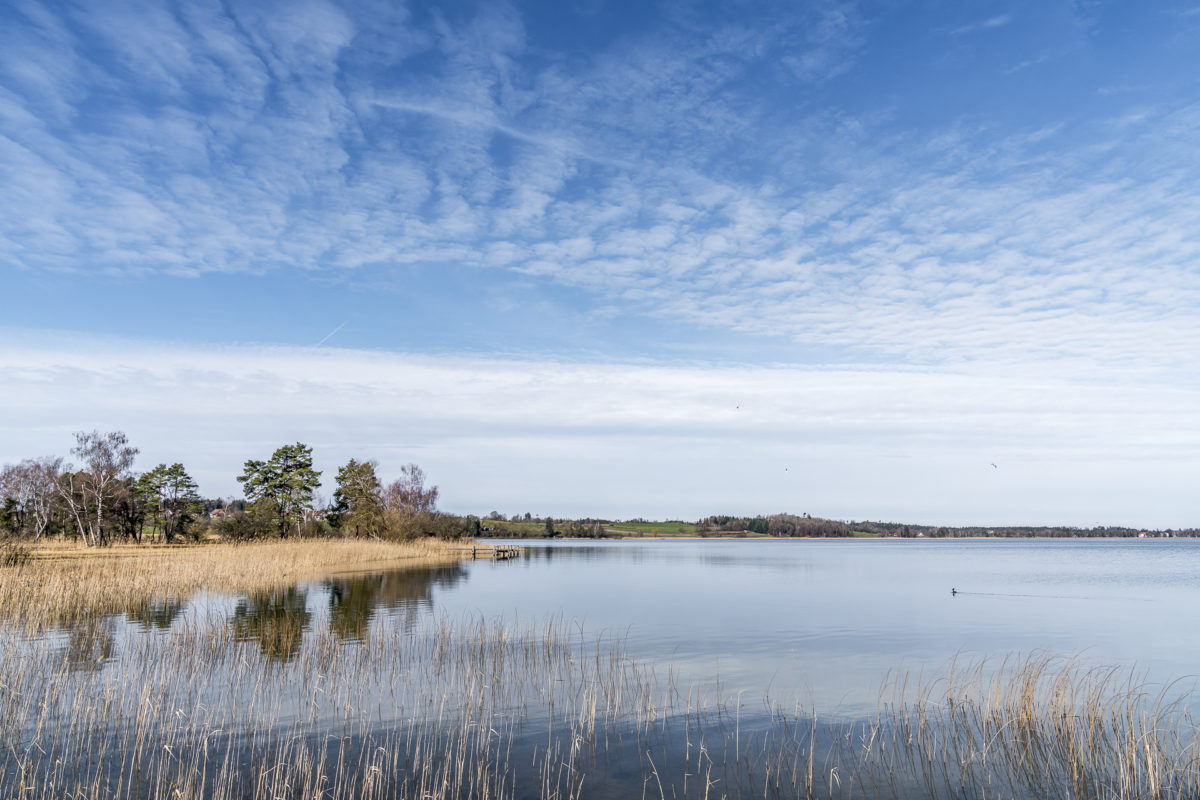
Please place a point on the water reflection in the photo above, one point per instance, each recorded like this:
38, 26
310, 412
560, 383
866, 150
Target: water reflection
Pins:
717, 554
90, 644
354, 600
155, 613
275, 618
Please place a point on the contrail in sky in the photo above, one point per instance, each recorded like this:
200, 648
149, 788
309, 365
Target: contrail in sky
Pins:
329, 335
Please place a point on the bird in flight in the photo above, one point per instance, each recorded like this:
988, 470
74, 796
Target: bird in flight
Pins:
994, 466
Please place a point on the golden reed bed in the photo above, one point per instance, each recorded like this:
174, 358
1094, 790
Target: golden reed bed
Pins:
61, 583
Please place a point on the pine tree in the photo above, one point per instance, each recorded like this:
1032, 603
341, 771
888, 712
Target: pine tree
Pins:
284, 485
358, 499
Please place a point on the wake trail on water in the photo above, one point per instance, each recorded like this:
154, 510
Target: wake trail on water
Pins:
959, 592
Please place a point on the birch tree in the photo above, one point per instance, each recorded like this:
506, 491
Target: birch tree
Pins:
33, 484
107, 459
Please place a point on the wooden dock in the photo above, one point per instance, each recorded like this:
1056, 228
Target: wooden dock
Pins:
496, 552
503, 551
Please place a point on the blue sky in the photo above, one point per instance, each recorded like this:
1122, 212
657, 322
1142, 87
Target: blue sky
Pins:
592, 258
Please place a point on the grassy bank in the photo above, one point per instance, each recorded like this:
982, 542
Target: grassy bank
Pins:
61, 583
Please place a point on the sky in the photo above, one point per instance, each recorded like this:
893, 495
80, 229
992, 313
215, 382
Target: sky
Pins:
912, 260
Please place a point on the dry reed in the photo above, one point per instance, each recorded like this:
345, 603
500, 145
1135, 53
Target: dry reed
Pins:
484, 709
60, 584
215, 708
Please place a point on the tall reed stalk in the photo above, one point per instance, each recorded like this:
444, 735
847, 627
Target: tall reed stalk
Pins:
488, 709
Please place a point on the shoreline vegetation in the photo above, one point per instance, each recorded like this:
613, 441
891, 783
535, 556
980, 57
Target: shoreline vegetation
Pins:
262, 703
59, 583
102, 500
790, 526
490, 709
443, 708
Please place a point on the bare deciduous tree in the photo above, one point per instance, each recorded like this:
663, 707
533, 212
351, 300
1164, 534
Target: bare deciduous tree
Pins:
33, 484
106, 460
408, 495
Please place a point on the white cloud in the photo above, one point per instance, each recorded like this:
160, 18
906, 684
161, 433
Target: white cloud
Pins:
862, 265
1052, 262
625, 439
997, 21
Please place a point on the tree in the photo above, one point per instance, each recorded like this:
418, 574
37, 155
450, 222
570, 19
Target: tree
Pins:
12, 517
172, 496
148, 489
238, 526
358, 499
107, 460
284, 484
129, 508
410, 509
32, 485
407, 494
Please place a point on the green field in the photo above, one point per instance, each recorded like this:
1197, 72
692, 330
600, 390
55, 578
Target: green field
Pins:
669, 528
504, 529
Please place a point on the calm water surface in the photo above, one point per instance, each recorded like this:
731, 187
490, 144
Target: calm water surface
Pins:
822, 621
829, 619
822, 624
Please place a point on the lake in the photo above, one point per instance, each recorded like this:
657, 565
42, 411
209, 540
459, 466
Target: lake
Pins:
607, 663
831, 619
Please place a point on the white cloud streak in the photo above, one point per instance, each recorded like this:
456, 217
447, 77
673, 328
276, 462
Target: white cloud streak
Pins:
265, 142
630, 440
997, 21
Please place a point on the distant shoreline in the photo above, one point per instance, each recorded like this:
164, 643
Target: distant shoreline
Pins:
766, 538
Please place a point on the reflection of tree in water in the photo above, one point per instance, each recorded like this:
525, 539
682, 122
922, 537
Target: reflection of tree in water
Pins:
154, 613
353, 600
574, 552
275, 618
89, 644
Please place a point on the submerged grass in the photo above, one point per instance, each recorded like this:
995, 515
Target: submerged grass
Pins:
57, 584
486, 709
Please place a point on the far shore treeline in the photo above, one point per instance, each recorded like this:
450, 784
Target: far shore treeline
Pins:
100, 499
